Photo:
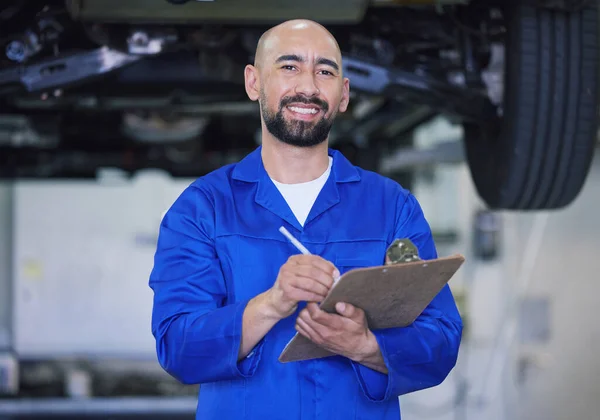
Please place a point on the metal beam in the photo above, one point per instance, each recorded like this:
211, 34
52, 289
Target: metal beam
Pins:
459, 100
450, 152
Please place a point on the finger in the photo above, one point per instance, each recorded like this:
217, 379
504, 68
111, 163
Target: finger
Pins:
300, 291
314, 273
306, 330
309, 284
317, 316
302, 330
300, 295
344, 309
314, 260
350, 311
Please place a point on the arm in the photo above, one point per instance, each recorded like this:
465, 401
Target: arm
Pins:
197, 334
258, 319
423, 354
373, 358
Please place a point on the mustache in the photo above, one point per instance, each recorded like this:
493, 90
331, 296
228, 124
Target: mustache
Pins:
303, 100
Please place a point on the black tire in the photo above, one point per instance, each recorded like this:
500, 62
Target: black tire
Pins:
538, 155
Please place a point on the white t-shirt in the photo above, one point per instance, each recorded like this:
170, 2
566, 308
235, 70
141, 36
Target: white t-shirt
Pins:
301, 197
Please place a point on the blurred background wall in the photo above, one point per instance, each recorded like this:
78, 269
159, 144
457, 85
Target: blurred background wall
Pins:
5, 262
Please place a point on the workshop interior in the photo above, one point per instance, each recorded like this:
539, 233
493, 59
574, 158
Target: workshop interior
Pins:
486, 110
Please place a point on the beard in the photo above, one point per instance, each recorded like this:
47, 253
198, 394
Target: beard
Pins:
295, 132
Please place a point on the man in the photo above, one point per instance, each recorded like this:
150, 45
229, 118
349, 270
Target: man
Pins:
231, 291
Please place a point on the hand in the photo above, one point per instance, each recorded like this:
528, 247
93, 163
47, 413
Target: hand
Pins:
302, 278
346, 334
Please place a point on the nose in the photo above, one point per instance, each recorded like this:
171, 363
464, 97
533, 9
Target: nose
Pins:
306, 85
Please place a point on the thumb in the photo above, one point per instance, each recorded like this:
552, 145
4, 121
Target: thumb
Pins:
345, 309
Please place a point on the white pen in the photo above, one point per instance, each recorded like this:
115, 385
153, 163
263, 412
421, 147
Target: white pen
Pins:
299, 245
294, 241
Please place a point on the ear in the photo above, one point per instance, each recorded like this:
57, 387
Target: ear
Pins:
252, 82
345, 95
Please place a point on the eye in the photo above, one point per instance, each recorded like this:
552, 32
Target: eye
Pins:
326, 72
288, 67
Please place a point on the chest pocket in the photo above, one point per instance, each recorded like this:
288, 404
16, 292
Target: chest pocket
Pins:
349, 256
346, 264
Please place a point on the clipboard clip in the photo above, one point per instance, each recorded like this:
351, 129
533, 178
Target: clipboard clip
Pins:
401, 251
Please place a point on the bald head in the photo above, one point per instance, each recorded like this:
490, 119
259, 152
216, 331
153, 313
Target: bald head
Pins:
292, 33
297, 79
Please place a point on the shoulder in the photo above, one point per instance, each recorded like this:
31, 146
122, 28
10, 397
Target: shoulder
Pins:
401, 212
198, 199
381, 190
194, 210
377, 184
209, 186
407, 207
408, 219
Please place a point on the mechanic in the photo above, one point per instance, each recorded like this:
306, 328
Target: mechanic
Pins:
230, 290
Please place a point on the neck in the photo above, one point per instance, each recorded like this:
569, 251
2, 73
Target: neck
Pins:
290, 164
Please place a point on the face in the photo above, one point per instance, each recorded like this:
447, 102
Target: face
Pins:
298, 120
299, 87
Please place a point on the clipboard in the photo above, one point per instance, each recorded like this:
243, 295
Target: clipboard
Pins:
392, 295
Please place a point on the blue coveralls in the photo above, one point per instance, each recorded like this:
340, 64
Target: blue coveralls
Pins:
219, 246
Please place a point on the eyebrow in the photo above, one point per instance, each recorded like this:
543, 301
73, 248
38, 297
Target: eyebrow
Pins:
320, 60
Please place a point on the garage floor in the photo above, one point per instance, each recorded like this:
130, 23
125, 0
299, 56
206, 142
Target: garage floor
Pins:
147, 408
103, 417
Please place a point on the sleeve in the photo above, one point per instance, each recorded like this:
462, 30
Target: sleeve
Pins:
421, 355
197, 334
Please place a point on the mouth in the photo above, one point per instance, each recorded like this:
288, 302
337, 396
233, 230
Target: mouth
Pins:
304, 112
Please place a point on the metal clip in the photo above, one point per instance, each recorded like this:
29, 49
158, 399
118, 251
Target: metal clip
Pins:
401, 251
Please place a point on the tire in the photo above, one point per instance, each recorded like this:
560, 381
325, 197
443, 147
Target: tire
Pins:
538, 154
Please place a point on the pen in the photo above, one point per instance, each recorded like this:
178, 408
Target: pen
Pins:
294, 241
299, 245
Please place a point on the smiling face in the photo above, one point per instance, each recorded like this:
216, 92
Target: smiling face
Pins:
298, 82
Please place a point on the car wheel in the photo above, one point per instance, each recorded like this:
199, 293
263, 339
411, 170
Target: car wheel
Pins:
538, 154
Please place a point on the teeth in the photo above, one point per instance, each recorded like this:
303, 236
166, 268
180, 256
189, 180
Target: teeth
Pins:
304, 110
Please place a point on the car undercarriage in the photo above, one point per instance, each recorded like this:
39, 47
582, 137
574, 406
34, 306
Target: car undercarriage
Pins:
86, 85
